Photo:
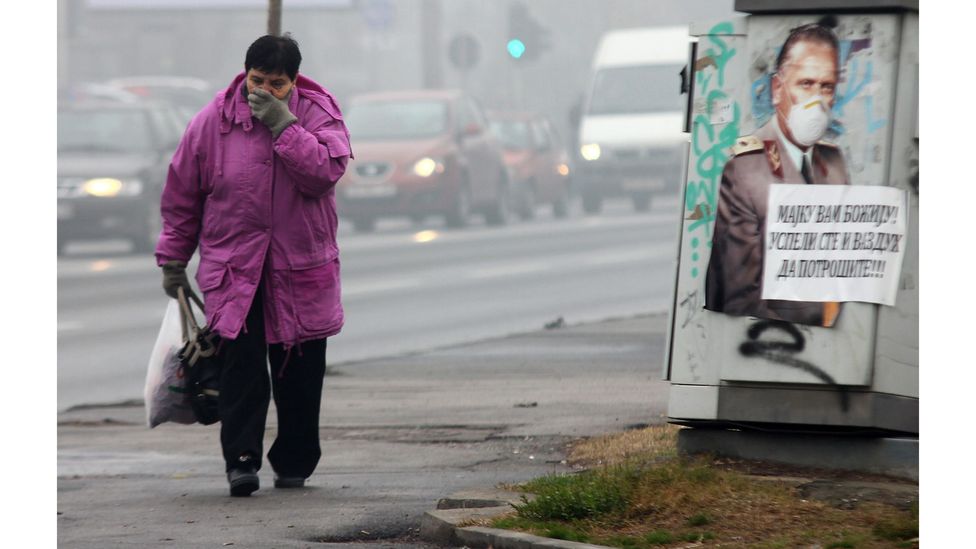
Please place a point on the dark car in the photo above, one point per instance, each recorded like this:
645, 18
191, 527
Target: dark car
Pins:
112, 162
421, 153
537, 161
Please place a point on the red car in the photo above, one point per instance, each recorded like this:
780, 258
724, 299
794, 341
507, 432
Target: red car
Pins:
537, 162
421, 153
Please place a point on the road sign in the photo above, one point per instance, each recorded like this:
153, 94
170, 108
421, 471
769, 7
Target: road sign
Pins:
378, 14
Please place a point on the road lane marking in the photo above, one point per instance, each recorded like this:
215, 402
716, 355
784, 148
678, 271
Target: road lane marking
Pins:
501, 271
69, 326
631, 256
362, 242
76, 267
357, 288
86, 268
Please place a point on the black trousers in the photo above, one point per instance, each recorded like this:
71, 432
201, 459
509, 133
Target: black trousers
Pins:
244, 399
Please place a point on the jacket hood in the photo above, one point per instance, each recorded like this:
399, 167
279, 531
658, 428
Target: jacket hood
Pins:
233, 106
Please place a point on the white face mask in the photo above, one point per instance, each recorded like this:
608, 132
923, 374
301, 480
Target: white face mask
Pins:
808, 121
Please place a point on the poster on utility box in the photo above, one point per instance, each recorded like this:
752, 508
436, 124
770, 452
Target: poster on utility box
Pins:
834, 243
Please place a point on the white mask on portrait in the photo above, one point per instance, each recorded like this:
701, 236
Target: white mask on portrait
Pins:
808, 120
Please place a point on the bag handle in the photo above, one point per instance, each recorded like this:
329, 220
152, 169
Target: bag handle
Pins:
186, 311
198, 342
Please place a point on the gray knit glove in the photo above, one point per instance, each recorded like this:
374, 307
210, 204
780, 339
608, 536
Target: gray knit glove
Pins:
271, 111
174, 276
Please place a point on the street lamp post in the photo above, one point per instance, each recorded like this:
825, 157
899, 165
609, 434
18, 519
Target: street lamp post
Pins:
274, 17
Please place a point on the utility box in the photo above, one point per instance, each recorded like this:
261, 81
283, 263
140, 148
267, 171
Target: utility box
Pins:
846, 360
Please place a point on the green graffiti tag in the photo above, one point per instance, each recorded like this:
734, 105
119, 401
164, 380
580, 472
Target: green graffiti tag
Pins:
711, 162
718, 58
710, 148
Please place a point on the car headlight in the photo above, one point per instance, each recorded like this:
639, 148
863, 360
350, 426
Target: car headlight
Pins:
426, 167
590, 151
111, 187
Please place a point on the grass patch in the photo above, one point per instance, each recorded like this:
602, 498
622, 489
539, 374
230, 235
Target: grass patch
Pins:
549, 529
562, 531
646, 500
697, 537
586, 495
897, 529
659, 537
699, 519
625, 542
648, 444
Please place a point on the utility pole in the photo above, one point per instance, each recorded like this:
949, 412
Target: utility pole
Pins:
430, 13
274, 17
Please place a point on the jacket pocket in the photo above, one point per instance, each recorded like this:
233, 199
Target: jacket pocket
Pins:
336, 141
210, 274
316, 296
211, 278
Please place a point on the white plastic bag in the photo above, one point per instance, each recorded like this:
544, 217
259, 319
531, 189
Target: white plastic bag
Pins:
164, 392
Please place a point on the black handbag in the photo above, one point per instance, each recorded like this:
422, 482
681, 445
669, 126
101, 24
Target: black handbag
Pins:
200, 361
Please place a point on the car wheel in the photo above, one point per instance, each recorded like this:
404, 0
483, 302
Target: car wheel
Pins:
560, 208
457, 217
528, 203
364, 224
146, 242
642, 202
592, 203
500, 212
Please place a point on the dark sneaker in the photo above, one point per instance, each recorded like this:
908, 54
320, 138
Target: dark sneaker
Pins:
289, 482
243, 481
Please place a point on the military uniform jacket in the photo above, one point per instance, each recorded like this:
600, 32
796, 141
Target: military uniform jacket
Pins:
733, 283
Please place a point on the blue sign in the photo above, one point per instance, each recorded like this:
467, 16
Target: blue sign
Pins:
378, 14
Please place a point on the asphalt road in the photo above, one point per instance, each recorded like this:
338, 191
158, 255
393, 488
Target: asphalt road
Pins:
406, 288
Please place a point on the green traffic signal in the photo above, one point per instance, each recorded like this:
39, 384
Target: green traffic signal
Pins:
529, 38
516, 48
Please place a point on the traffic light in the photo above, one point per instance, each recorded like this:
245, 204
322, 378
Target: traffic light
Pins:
527, 38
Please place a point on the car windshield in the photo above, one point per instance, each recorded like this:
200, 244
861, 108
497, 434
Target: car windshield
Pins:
108, 130
513, 134
186, 101
401, 120
190, 98
637, 89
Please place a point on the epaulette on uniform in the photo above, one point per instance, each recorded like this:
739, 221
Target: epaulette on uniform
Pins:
747, 144
828, 144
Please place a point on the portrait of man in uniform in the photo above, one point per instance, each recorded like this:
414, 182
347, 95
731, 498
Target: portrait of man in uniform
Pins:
787, 149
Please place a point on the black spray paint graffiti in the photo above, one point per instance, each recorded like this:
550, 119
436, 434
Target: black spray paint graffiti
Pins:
691, 304
781, 352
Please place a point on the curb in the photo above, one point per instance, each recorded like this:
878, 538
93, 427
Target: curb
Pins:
441, 525
479, 538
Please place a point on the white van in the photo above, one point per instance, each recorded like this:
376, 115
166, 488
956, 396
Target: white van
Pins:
630, 133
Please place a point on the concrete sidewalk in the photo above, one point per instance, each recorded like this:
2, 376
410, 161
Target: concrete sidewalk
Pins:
398, 435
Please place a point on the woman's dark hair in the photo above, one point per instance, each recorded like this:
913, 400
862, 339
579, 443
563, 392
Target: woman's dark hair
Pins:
819, 32
274, 54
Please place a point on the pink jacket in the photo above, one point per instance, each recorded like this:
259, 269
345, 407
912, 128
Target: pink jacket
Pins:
261, 210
